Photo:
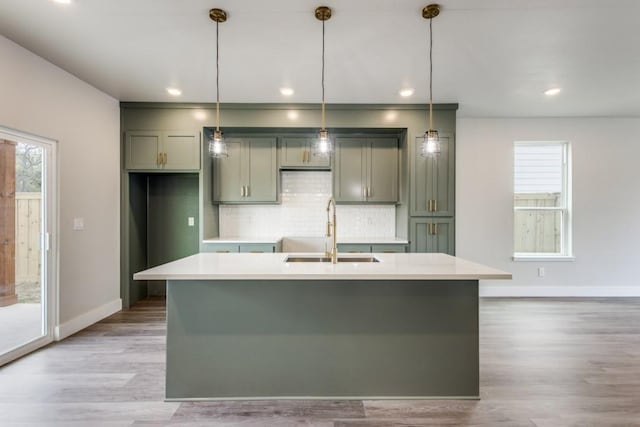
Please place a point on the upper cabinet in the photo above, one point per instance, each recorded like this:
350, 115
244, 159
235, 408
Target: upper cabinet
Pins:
432, 181
162, 150
249, 174
295, 153
366, 170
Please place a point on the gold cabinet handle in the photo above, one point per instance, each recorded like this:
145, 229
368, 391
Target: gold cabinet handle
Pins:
165, 158
429, 206
222, 252
246, 191
435, 209
242, 191
159, 159
429, 228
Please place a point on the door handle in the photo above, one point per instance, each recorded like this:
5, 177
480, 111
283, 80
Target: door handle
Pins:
429, 206
159, 159
246, 191
435, 208
242, 191
165, 158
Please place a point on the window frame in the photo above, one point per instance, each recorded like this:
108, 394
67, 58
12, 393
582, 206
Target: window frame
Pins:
566, 239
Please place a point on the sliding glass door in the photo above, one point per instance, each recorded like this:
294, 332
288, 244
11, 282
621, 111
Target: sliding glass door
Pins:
27, 214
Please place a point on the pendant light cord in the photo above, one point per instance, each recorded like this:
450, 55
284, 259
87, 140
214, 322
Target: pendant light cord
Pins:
323, 75
430, 74
217, 79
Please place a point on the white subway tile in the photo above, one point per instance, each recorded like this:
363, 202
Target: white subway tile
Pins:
302, 212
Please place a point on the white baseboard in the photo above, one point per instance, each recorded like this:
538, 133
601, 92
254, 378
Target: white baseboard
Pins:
558, 291
87, 319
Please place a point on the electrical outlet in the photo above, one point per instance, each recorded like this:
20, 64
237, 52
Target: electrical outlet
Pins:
191, 221
540, 271
78, 224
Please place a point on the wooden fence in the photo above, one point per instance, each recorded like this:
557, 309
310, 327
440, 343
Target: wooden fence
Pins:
28, 212
537, 231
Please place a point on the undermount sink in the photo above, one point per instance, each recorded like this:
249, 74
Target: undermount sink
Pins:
327, 259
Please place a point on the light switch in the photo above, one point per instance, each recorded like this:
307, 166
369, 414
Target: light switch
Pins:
78, 224
191, 221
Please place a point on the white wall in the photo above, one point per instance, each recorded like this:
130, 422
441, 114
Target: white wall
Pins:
606, 204
39, 98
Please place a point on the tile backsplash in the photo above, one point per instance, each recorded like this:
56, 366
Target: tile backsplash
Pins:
302, 212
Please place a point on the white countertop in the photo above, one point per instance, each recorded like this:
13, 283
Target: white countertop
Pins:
373, 240
271, 266
346, 240
272, 240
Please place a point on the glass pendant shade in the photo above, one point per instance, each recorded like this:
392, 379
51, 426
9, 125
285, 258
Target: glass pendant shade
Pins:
322, 147
430, 144
217, 146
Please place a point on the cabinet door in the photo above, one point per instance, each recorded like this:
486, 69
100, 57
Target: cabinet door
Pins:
388, 248
293, 152
221, 248
382, 170
142, 149
349, 178
316, 162
354, 248
227, 175
432, 181
260, 170
432, 235
182, 150
257, 247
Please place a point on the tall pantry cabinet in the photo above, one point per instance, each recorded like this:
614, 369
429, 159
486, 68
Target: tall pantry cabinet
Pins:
432, 199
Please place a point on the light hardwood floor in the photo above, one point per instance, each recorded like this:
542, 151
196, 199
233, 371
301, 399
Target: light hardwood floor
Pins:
543, 363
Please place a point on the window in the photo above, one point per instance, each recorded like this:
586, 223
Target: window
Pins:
542, 200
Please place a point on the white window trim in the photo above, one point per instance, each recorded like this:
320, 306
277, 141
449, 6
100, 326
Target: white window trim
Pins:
567, 218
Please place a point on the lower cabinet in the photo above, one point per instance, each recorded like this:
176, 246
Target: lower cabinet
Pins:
432, 235
371, 248
242, 247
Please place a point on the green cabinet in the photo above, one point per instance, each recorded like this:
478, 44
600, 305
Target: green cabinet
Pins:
242, 247
296, 153
432, 181
432, 235
162, 150
366, 170
249, 174
372, 248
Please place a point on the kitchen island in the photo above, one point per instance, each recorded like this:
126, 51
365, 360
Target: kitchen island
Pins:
278, 325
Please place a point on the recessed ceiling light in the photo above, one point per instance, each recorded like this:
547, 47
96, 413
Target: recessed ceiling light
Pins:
552, 91
63, 1
406, 92
286, 91
174, 91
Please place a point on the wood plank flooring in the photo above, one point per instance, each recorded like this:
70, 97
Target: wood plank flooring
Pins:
543, 362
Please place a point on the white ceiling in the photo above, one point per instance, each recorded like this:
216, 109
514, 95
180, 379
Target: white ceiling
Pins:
493, 57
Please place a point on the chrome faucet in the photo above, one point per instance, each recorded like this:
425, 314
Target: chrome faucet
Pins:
331, 231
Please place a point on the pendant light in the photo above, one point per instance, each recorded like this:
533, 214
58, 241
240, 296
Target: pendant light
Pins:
430, 141
323, 146
217, 146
